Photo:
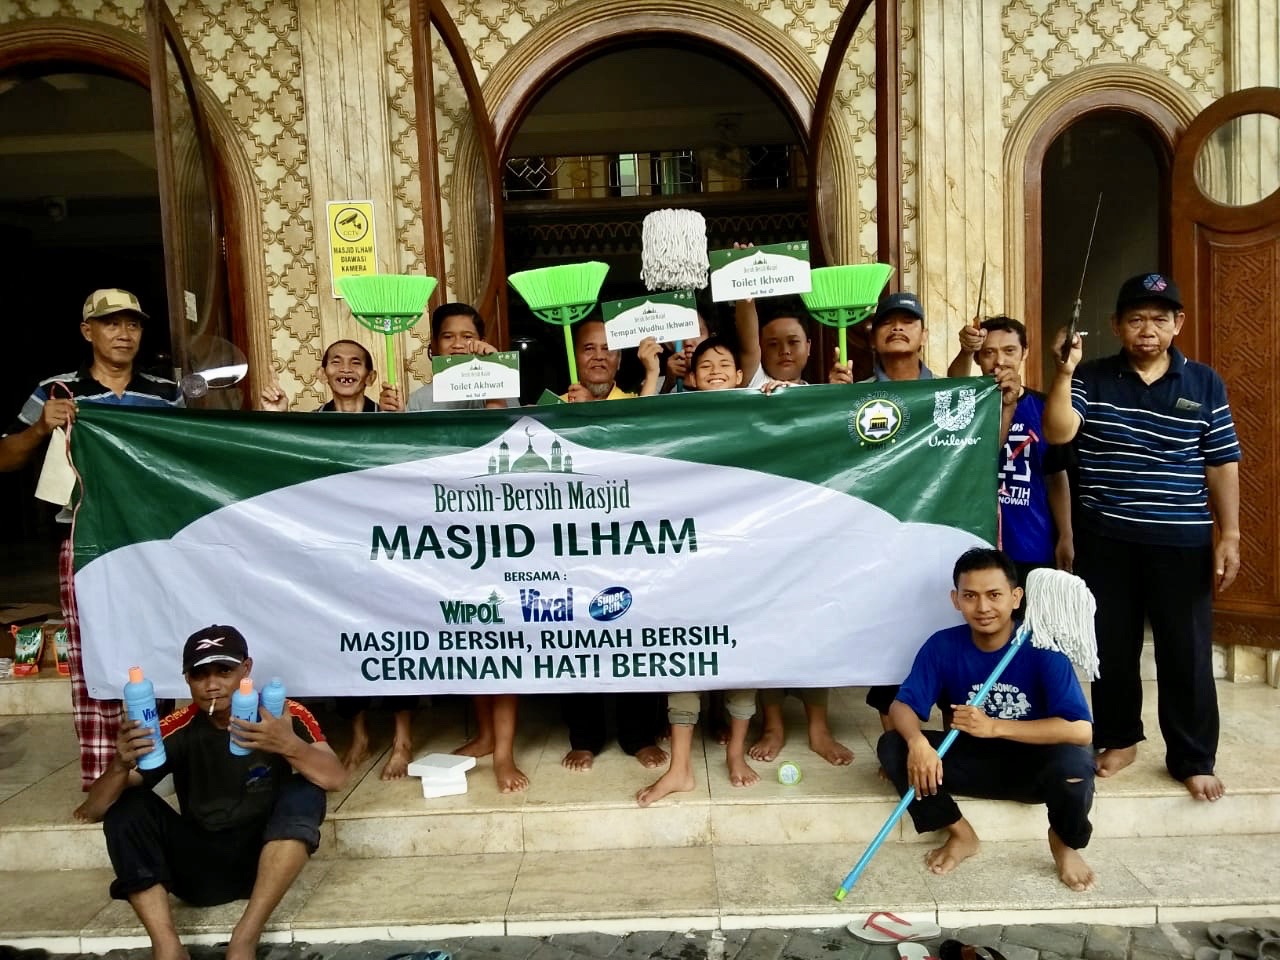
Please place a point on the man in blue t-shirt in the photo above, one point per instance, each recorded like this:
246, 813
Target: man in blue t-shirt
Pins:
1035, 496
1028, 742
1159, 470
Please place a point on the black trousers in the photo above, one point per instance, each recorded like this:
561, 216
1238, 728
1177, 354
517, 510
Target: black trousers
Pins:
151, 843
641, 716
1173, 588
1000, 770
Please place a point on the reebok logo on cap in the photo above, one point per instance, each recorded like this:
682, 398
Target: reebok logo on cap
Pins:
1155, 283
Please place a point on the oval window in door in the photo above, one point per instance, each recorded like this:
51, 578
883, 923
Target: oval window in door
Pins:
1238, 165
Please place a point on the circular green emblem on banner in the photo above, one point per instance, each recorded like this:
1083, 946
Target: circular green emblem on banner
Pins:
878, 419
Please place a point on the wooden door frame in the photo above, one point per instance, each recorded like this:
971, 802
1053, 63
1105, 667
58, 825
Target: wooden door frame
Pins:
69, 43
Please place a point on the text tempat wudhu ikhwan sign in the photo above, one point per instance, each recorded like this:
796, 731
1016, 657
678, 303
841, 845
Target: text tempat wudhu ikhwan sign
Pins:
669, 543
353, 252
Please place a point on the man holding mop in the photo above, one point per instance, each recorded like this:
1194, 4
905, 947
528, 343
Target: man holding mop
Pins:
1028, 742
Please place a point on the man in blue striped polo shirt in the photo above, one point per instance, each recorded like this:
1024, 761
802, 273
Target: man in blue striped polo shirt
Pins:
1159, 465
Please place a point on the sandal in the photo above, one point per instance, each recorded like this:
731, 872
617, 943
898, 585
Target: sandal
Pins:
955, 950
888, 928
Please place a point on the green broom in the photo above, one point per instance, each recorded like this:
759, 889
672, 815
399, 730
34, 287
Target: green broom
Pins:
843, 297
561, 296
387, 303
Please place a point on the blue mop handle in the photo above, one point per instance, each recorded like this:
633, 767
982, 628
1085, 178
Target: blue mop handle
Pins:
977, 699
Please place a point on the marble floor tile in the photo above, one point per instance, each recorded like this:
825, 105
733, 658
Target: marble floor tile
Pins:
801, 879
420, 834
32, 747
412, 891
45, 693
50, 902
850, 820
117, 919
1185, 872
601, 885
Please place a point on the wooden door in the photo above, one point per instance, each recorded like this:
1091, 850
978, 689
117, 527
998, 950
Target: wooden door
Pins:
1226, 255
196, 280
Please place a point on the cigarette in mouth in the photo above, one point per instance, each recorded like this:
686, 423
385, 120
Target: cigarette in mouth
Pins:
212, 703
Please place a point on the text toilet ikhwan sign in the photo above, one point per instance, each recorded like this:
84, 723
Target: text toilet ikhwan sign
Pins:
352, 249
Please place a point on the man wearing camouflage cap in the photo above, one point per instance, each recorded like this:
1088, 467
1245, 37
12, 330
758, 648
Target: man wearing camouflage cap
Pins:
111, 322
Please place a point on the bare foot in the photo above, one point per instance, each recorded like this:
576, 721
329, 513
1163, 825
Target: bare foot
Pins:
356, 755
171, 951
770, 742
651, 757
740, 773
673, 781
1114, 759
881, 774
88, 813
960, 846
477, 746
1205, 786
829, 748
579, 761
511, 779
1072, 870
397, 765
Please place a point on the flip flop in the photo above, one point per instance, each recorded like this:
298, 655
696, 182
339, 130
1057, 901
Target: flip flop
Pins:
1269, 949
910, 950
422, 955
887, 928
955, 950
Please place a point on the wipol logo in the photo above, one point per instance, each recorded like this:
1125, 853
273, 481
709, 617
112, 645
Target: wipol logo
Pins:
949, 415
459, 611
536, 608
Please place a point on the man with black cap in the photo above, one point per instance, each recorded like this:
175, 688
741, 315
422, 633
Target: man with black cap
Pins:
111, 321
1159, 466
247, 824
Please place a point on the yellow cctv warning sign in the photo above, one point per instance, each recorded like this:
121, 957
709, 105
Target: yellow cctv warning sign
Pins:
352, 250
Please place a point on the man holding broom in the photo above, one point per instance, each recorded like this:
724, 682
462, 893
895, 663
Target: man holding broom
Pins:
1029, 741
111, 321
1159, 468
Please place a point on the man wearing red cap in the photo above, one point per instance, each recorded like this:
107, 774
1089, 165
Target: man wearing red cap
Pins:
111, 321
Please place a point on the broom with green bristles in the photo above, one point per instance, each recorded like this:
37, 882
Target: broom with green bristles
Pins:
561, 296
387, 303
843, 297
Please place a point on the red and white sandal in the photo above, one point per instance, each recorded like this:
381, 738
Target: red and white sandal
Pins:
889, 928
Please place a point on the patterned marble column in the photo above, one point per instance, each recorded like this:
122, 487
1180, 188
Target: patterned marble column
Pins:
960, 139
344, 78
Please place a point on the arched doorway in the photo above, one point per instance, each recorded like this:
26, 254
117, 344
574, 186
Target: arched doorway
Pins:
1119, 157
596, 151
80, 203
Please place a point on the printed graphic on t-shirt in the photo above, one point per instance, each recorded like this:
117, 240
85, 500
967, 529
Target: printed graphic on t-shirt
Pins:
1015, 466
1005, 702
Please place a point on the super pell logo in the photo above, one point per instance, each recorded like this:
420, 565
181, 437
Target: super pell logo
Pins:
610, 604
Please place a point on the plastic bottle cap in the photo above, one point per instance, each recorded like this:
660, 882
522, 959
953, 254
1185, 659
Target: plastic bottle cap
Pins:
135, 674
246, 685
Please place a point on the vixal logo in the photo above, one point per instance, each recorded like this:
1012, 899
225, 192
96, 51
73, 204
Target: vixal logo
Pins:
959, 417
459, 611
535, 608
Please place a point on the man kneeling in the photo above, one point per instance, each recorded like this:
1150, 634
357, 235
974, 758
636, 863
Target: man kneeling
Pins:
1029, 742
247, 823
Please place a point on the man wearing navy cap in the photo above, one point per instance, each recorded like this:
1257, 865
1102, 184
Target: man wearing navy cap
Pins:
1159, 467
245, 825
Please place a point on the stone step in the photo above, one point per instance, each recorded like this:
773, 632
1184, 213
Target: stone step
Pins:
565, 812
46, 692
438, 899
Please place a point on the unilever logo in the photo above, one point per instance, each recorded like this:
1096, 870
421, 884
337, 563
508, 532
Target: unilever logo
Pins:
951, 415
610, 604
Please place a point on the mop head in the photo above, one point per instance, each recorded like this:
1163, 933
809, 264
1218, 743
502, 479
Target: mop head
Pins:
674, 253
1060, 612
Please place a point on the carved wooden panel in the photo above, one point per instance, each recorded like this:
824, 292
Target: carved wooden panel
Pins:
1244, 299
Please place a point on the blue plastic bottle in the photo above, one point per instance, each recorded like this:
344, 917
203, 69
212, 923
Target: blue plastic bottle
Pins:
140, 703
244, 706
273, 697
